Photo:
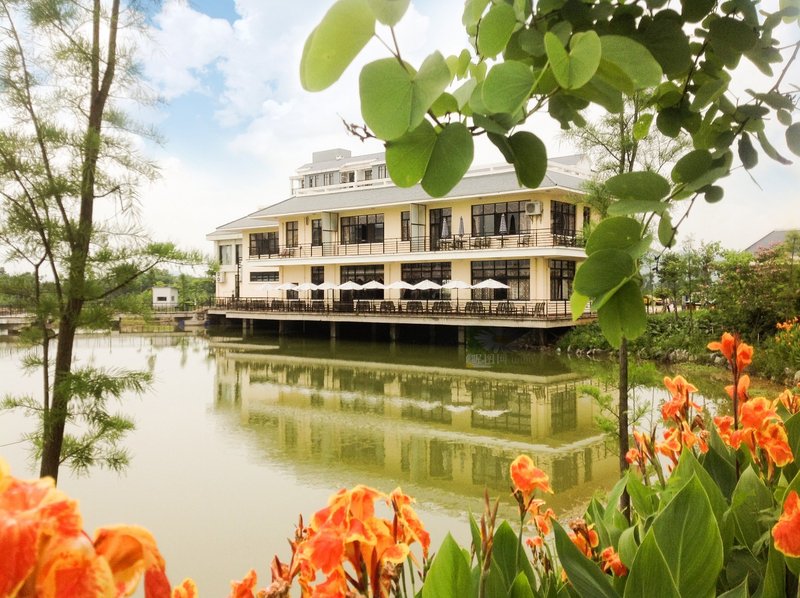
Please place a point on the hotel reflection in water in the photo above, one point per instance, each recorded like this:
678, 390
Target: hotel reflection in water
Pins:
447, 432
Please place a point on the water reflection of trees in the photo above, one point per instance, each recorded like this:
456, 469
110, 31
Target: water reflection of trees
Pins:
458, 430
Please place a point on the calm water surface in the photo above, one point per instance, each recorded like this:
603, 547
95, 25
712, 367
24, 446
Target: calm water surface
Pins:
235, 440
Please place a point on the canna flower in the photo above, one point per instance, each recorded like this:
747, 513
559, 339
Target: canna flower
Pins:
678, 409
755, 412
786, 532
584, 537
775, 442
741, 388
725, 345
790, 401
541, 519
744, 356
410, 527
633, 456
186, 589
526, 477
244, 588
612, 562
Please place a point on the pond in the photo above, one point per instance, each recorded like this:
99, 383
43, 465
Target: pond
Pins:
236, 438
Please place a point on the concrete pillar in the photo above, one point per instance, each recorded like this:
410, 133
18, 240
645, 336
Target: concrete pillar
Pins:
334, 329
462, 335
282, 327
244, 326
393, 333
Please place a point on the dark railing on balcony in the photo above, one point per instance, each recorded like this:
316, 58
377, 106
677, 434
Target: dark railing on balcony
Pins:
413, 308
532, 238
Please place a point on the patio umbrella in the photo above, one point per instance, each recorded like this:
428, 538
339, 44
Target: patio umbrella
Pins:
456, 284
503, 226
445, 229
373, 285
326, 286
269, 286
460, 226
307, 286
490, 283
350, 285
286, 286
400, 284
427, 285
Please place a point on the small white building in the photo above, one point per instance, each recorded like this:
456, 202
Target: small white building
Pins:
165, 297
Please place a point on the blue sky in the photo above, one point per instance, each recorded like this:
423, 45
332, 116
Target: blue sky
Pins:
236, 122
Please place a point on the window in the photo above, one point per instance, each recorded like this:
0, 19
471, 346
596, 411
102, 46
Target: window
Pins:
160, 298
587, 216
316, 232
441, 226
263, 244
438, 272
317, 277
405, 225
562, 272
563, 410
515, 273
381, 171
327, 178
562, 218
291, 234
226, 255
347, 177
361, 274
504, 218
263, 277
368, 174
367, 228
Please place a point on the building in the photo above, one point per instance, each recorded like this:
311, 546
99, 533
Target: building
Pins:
165, 297
773, 238
346, 221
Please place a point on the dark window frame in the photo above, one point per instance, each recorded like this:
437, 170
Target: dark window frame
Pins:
292, 233
515, 273
562, 218
264, 277
562, 274
316, 232
263, 244
361, 229
486, 218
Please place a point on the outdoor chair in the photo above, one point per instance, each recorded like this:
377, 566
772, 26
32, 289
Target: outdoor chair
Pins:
414, 307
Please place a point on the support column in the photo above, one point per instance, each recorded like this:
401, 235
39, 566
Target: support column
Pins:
462, 335
334, 330
244, 326
393, 333
281, 327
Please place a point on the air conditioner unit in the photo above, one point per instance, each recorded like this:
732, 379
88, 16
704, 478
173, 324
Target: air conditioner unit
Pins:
534, 208
220, 276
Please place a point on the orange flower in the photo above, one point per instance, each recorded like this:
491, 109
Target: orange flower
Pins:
755, 412
774, 440
744, 356
130, 551
186, 589
787, 531
527, 477
612, 562
725, 345
741, 388
244, 588
790, 401
633, 455
678, 408
410, 527
584, 537
724, 425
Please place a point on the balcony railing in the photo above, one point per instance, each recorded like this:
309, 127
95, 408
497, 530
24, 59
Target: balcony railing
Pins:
412, 308
527, 239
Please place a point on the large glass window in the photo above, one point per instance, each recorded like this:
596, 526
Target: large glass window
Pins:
367, 228
316, 232
291, 234
317, 277
515, 273
405, 225
504, 218
361, 274
562, 272
226, 255
263, 277
438, 272
441, 226
381, 171
562, 218
263, 244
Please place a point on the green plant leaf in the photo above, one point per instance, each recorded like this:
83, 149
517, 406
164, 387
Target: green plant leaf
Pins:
507, 86
689, 467
614, 233
428, 84
636, 206
633, 60
688, 535
641, 129
774, 582
584, 575
386, 97
335, 42
450, 159
449, 574
666, 234
577, 303
747, 153
476, 537
602, 271
643, 498
691, 166
530, 158
647, 186
751, 498
389, 12
693, 11
793, 138
649, 574
623, 314
505, 552
574, 69
407, 157
668, 44
495, 29
731, 35
713, 193
473, 9
628, 547
521, 588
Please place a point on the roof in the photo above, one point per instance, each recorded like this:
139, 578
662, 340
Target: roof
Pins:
343, 161
232, 228
776, 237
474, 184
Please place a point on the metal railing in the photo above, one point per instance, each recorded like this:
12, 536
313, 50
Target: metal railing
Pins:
532, 238
411, 308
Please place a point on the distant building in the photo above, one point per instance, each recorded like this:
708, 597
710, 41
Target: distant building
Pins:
165, 297
776, 237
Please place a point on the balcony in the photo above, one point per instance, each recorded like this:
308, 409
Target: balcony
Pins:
536, 238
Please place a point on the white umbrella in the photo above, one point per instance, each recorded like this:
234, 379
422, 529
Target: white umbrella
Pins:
445, 229
307, 286
400, 284
490, 283
326, 286
373, 285
427, 285
456, 284
349, 286
460, 226
286, 286
503, 226
269, 286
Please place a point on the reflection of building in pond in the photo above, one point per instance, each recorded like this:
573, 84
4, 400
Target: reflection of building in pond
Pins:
454, 429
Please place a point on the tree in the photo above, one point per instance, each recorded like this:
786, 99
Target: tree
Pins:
564, 56
66, 158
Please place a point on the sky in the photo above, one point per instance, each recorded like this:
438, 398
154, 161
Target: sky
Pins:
236, 123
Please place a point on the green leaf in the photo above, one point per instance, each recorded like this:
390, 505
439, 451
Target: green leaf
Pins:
647, 186
747, 153
407, 157
389, 12
694, 11
577, 303
575, 69
710, 91
731, 35
476, 537
740, 591
633, 59
691, 166
628, 547
386, 97
449, 574
644, 499
584, 575
521, 588
689, 467
335, 42
668, 44
505, 552
614, 233
750, 501
721, 470
602, 271
428, 84
495, 29
669, 122
642, 126
507, 86
666, 233
774, 583
770, 150
650, 575
793, 138
530, 158
623, 315
473, 9
713, 193
636, 206
450, 159
688, 535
